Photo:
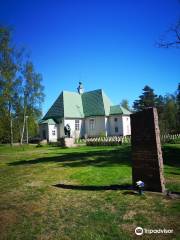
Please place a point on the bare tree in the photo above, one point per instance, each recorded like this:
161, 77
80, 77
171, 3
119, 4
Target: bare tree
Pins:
171, 38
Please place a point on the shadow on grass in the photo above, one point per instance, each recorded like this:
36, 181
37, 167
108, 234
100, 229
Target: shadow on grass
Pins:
171, 155
174, 173
101, 157
95, 188
130, 192
118, 156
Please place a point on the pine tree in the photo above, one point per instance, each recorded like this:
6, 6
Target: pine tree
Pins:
170, 114
160, 105
178, 107
147, 99
124, 103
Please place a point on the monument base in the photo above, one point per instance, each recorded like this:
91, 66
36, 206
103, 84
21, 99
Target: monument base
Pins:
67, 142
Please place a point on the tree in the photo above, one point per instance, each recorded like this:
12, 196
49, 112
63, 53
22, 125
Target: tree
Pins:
178, 106
160, 105
168, 108
170, 114
21, 91
124, 103
33, 95
147, 99
171, 38
8, 82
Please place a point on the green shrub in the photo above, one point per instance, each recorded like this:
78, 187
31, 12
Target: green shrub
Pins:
174, 141
39, 145
102, 134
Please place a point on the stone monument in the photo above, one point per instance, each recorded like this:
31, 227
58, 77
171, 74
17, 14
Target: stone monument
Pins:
147, 161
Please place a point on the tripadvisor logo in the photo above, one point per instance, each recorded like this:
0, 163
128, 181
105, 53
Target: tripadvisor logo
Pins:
140, 231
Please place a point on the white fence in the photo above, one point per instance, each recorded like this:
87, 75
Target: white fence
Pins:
108, 141
165, 138
118, 140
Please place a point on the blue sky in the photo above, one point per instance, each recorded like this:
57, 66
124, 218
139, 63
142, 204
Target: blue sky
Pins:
108, 44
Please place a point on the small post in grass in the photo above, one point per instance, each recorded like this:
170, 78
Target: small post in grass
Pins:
140, 187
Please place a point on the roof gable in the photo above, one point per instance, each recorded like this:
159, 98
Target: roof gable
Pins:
73, 107
96, 103
57, 109
93, 103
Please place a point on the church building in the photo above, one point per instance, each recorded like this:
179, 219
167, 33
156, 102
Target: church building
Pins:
84, 114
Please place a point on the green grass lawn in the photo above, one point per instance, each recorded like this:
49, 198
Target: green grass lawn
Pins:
81, 194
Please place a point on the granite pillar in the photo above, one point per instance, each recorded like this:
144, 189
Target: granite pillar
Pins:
147, 161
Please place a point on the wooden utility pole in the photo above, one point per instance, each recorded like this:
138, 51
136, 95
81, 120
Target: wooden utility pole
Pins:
27, 134
11, 129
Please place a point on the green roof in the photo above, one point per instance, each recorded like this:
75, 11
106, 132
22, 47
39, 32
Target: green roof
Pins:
125, 111
48, 121
95, 103
107, 103
68, 104
117, 109
75, 105
57, 109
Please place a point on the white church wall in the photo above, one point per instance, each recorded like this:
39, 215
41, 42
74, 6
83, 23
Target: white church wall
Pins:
97, 128
53, 134
116, 125
126, 125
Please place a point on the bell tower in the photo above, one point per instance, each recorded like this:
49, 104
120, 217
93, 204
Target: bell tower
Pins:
80, 88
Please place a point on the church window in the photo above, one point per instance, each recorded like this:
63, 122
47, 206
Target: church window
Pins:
116, 130
91, 124
77, 125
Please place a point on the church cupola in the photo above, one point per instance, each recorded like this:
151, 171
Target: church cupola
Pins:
80, 88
